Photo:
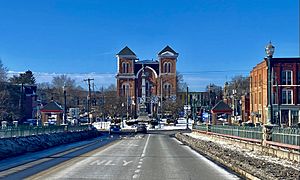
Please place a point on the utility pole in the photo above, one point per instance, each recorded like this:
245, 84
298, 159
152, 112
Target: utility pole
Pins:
161, 98
65, 103
187, 103
89, 99
102, 103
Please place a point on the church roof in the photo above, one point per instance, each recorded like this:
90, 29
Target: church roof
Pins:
166, 49
221, 107
126, 51
52, 107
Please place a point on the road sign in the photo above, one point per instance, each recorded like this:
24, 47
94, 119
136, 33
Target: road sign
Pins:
173, 98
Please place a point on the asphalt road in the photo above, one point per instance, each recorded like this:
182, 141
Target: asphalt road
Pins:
156, 156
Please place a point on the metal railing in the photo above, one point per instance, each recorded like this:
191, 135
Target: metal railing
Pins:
201, 127
286, 135
290, 136
19, 131
240, 131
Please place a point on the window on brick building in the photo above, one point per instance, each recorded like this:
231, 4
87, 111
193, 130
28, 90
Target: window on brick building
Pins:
287, 96
275, 97
274, 78
286, 77
259, 80
125, 67
298, 79
167, 67
298, 95
295, 117
259, 98
167, 89
125, 90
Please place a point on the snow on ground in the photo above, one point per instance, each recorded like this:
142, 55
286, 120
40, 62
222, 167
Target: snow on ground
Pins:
247, 152
163, 126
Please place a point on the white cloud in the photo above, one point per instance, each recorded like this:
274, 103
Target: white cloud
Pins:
195, 82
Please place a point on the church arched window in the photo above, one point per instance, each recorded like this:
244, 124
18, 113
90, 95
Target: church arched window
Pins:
125, 89
167, 89
125, 67
167, 67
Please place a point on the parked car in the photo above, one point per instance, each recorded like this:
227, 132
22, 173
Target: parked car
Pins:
141, 128
115, 129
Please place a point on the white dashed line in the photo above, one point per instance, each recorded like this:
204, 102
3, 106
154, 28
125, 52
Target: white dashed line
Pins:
137, 171
135, 176
144, 150
139, 166
140, 162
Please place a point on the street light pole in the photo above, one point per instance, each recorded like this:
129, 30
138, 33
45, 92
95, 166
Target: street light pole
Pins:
269, 51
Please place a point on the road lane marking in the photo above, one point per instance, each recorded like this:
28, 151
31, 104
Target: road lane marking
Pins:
125, 163
144, 150
140, 162
135, 176
137, 171
98, 162
139, 166
70, 162
109, 163
42, 160
141, 159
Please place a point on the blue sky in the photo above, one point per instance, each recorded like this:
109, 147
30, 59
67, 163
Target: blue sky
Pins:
215, 39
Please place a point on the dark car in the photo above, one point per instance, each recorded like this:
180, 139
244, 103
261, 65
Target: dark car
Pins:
141, 128
114, 129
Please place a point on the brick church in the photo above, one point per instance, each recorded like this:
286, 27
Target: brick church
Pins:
160, 79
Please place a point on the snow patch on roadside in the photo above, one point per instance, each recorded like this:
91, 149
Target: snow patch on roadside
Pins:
245, 151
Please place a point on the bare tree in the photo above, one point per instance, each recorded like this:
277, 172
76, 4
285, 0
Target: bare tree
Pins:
181, 85
215, 93
63, 80
240, 85
3, 72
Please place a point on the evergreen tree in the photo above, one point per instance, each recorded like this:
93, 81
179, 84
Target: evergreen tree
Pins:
23, 78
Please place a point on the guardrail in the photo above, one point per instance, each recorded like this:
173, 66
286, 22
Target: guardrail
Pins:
35, 130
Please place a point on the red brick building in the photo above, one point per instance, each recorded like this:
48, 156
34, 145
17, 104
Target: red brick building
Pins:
160, 77
285, 90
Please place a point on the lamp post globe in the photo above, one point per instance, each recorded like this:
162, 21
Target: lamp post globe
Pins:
270, 49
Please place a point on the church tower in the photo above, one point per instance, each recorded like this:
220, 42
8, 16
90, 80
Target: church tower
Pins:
125, 76
167, 72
